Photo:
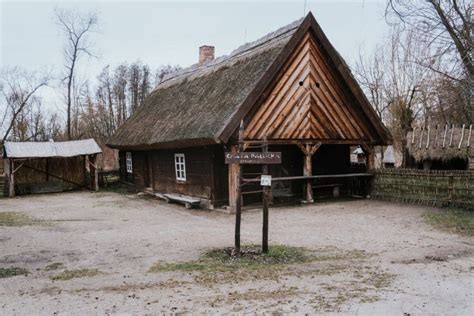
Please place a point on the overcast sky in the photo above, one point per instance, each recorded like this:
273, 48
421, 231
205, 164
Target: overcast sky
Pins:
168, 32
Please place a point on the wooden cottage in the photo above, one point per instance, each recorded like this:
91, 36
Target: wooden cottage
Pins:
441, 147
290, 88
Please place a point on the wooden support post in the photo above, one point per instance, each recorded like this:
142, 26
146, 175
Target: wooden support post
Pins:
233, 179
266, 200
370, 163
94, 172
369, 156
238, 193
308, 171
308, 151
11, 177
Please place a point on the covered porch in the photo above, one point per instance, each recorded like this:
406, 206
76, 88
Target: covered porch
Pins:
308, 170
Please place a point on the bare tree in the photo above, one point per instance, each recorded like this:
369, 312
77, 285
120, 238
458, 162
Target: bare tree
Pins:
371, 74
445, 25
400, 91
76, 29
18, 89
120, 92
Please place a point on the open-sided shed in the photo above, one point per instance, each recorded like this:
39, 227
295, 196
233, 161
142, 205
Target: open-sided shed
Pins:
37, 167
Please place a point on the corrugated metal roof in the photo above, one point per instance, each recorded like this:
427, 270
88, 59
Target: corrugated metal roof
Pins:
51, 149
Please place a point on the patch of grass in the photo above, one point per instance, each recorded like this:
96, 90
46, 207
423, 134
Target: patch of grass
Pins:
12, 271
452, 220
16, 219
73, 274
223, 266
54, 266
250, 258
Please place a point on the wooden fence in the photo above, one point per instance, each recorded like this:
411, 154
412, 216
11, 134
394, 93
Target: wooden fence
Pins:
429, 187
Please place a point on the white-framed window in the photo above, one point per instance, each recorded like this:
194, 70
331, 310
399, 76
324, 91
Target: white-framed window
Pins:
128, 162
180, 167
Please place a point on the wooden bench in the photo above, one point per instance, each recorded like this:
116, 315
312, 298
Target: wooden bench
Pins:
188, 201
282, 192
335, 188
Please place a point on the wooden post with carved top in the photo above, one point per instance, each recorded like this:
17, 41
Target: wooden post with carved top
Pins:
308, 151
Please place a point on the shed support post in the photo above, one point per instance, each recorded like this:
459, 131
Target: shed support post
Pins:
94, 173
11, 177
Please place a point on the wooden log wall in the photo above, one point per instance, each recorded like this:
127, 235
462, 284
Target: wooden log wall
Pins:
49, 175
428, 187
155, 169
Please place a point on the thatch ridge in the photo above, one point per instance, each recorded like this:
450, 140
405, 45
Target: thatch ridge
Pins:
244, 51
441, 143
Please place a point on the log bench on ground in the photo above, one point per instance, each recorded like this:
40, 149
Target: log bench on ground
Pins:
188, 201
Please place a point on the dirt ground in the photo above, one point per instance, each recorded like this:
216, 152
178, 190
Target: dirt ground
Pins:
386, 259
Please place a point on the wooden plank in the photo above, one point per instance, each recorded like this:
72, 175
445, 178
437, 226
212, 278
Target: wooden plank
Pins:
182, 198
335, 91
267, 111
323, 176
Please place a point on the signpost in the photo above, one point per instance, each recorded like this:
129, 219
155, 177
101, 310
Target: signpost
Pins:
264, 158
253, 158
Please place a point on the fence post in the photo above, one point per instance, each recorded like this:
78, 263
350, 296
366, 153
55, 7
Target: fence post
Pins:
450, 188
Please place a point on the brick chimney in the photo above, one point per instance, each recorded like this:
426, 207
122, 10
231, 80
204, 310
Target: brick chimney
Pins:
206, 53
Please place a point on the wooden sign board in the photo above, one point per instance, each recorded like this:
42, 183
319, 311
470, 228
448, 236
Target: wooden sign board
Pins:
257, 158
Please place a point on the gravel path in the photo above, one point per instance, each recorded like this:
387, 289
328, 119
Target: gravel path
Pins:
407, 266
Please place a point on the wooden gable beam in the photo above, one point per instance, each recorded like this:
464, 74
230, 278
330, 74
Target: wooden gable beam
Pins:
261, 89
268, 81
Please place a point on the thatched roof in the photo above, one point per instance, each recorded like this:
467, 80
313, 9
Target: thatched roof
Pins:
50, 149
442, 143
204, 104
193, 104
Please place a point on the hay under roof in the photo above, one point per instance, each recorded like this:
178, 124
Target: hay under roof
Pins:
443, 143
193, 104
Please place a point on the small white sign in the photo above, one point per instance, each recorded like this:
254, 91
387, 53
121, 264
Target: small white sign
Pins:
266, 181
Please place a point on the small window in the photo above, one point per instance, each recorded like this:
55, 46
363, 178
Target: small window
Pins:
180, 167
128, 162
